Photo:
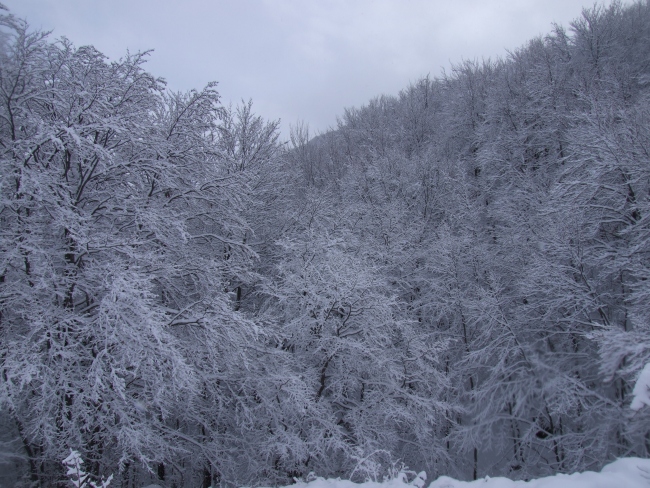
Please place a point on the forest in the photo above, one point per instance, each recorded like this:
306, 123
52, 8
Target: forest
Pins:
454, 279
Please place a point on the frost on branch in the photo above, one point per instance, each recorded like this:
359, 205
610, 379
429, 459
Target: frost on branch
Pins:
78, 477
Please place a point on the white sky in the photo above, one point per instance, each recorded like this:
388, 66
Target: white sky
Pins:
299, 59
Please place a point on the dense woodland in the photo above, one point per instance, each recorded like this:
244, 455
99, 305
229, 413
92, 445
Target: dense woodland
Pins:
454, 279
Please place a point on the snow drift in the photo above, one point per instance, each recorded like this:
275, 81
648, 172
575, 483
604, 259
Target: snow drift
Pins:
623, 473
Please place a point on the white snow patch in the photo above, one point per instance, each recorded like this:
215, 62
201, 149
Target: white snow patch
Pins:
641, 390
623, 473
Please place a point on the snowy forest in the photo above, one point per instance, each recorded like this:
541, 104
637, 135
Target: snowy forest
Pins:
454, 279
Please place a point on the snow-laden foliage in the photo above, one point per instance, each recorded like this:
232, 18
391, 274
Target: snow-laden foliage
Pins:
121, 237
641, 391
78, 477
454, 279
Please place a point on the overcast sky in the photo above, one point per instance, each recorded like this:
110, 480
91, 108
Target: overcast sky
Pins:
299, 59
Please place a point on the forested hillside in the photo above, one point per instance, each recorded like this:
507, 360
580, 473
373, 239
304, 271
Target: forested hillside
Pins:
455, 278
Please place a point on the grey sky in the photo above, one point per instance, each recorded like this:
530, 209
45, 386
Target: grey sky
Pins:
299, 59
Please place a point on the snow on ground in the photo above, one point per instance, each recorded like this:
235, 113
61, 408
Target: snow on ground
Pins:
623, 473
